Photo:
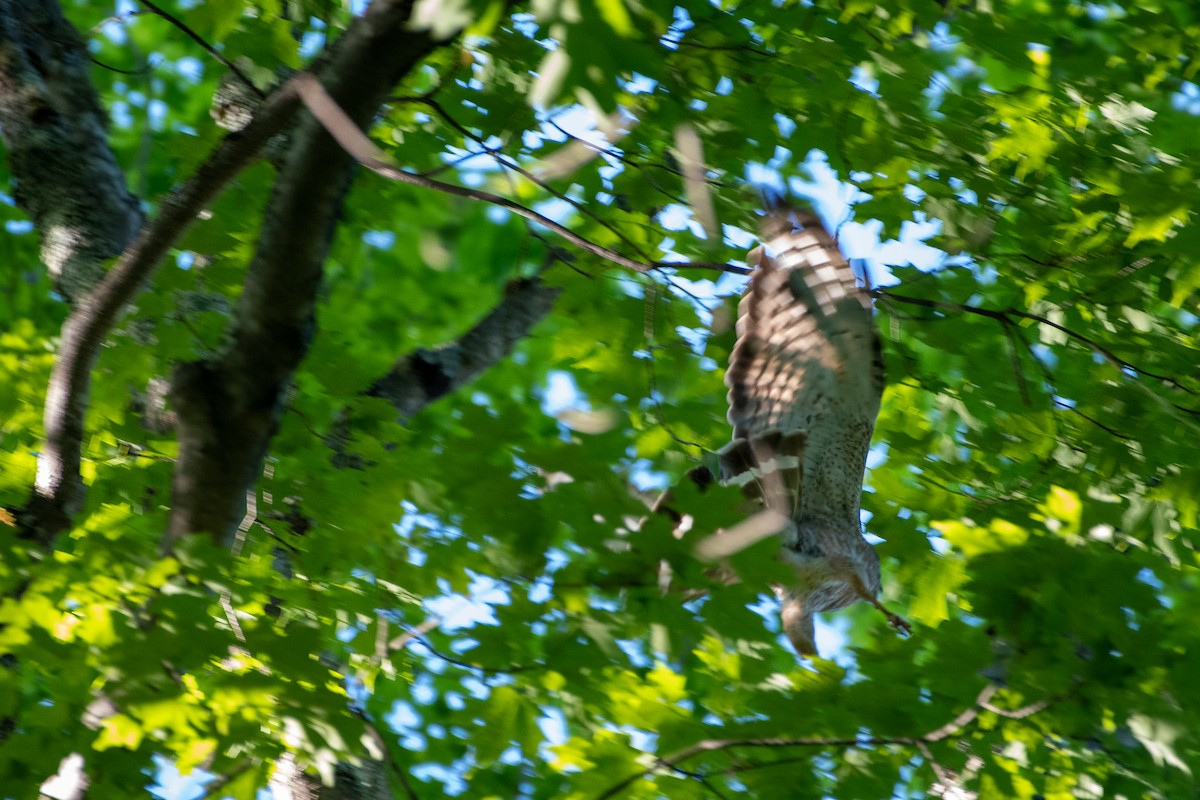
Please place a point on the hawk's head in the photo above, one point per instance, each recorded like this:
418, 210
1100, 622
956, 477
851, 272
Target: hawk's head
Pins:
831, 576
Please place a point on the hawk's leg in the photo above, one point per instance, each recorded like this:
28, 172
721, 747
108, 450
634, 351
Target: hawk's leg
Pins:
895, 620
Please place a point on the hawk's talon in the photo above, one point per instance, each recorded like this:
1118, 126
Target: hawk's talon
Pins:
895, 620
899, 623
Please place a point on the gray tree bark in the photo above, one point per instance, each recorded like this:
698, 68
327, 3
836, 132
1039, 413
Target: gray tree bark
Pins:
55, 129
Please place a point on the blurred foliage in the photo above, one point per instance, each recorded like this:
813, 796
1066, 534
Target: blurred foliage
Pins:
1035, 479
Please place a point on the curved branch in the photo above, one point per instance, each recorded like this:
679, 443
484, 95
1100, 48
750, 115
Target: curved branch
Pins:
356, 143
212, 51
964, 718
511, 669
58, 491
75, 193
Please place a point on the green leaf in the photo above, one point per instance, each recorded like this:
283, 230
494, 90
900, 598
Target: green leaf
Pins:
930, 605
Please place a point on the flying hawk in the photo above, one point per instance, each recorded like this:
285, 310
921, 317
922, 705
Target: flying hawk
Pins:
805, 379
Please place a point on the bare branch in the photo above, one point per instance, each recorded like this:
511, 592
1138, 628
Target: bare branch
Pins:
366, 153
58, 492
964, 718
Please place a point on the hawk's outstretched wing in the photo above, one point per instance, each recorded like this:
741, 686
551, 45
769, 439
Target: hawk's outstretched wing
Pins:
806, 368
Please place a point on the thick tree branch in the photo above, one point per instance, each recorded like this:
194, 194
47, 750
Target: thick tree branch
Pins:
229, 407
426, 375
68, 182
58, 492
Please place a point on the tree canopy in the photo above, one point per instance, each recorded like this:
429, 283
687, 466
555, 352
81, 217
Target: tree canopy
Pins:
331, 458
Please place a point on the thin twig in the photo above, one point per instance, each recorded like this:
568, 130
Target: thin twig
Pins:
627, 161
982, 502
1106, 428
511, 669
1006, 316
135, 72
414, 634
1015, 360
198, 39
652, 369
504, 161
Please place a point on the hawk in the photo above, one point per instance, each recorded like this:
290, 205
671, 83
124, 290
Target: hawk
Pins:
805, 379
